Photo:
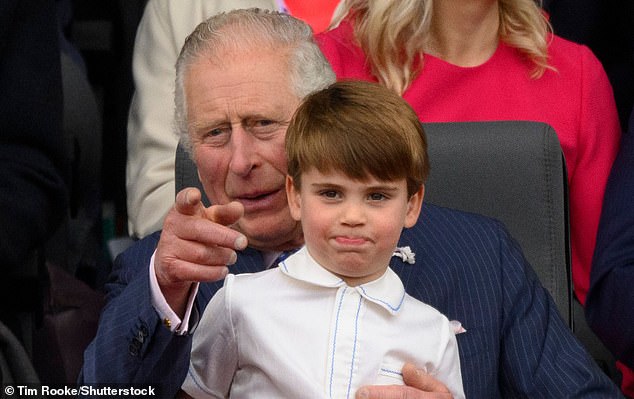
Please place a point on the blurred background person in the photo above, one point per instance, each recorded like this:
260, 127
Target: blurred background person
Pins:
33, 159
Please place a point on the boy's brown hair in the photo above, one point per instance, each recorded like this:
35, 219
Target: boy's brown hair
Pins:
361, 129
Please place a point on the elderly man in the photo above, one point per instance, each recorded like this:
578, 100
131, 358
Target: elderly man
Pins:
240, 76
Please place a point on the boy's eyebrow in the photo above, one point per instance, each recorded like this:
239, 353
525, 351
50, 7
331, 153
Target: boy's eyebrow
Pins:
378, 187
326, 185
383, 187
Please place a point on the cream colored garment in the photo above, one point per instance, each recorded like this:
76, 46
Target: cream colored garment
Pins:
151, 139
298, 331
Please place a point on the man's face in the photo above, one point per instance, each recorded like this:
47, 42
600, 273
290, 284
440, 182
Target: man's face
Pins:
238, 113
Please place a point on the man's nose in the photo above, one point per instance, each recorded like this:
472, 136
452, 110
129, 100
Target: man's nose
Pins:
244, 155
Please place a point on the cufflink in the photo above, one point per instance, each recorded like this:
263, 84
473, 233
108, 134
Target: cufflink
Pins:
167, 323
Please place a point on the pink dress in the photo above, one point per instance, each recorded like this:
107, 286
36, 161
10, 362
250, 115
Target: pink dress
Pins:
576, 100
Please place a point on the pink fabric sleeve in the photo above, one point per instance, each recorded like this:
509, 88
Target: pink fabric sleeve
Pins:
598, 141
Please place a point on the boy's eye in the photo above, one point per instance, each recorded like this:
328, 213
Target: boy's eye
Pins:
331, 194
377, 197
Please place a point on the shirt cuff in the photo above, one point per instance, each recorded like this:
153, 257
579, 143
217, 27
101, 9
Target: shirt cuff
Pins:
168, 317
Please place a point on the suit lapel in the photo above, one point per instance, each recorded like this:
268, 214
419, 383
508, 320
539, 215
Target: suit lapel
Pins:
249, 261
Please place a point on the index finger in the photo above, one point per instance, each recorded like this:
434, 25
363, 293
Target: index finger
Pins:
189, 201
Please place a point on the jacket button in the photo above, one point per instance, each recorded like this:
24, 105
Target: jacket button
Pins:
134, 350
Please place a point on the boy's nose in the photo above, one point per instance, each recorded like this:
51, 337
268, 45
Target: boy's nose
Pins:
353, 214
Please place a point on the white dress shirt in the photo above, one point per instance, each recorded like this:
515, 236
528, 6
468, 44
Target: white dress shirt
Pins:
298, 331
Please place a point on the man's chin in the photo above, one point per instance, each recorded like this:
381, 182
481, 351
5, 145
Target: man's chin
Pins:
269, 233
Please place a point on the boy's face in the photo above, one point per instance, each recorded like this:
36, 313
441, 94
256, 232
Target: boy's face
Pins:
352, 227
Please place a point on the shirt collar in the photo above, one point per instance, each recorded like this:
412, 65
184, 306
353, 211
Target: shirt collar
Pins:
387, 291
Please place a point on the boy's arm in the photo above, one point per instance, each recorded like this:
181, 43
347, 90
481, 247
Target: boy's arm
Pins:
214, 353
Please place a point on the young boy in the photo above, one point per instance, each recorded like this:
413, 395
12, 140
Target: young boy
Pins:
333, 316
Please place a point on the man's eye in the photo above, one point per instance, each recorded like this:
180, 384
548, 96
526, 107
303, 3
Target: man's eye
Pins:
216, 132
217, 136
263, 123
263, 127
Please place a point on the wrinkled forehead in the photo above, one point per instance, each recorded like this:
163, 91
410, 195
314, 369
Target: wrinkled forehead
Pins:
244, 63
250, 84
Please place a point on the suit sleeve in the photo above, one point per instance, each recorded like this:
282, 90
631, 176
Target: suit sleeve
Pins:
131, 345
540, 358
610, 305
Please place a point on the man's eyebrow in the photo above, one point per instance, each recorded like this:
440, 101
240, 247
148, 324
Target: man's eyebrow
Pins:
204, 124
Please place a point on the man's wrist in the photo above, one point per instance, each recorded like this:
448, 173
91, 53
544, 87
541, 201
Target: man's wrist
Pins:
168, 316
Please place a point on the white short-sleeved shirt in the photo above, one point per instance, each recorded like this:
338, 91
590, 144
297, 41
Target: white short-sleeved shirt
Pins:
298, 331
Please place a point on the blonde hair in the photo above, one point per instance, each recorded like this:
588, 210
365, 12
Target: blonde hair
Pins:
361, 129
392, 34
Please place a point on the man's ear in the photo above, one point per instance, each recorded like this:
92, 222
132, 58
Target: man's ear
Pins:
294, 198
414, 206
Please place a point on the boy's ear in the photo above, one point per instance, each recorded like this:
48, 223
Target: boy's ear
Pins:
294, 199
414, 206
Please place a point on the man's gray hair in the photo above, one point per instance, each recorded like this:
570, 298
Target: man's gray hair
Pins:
309, 70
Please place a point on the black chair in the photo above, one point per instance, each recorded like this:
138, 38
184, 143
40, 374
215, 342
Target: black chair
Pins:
513, 171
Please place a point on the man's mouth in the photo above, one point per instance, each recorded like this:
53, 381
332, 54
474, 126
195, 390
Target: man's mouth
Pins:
258, 201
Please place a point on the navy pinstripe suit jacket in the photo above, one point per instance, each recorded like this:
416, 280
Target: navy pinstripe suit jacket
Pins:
467, 266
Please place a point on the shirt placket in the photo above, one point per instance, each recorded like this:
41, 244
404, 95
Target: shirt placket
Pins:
344, 343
